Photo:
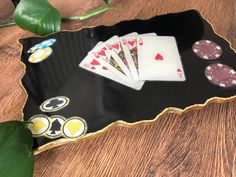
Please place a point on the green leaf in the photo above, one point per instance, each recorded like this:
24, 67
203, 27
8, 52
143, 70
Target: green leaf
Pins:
107, 1
37, 16
16, 155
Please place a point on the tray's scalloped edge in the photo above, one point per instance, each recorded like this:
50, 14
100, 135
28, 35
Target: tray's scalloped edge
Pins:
175, 110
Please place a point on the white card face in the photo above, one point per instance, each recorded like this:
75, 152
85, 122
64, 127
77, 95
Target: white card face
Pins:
149, 34
102, 68
159, 59
114, 48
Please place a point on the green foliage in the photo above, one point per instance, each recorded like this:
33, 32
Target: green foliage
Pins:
40, 17
37, 16
90, 13
16, 155
107, 1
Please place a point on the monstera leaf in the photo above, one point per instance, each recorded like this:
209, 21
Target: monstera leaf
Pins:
16, 156
37, 16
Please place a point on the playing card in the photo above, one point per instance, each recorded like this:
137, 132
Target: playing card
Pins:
114, 48
102, 52
159, 59
99, 66
129, 46
149, 34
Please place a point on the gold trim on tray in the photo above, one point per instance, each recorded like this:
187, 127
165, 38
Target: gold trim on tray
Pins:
175, 110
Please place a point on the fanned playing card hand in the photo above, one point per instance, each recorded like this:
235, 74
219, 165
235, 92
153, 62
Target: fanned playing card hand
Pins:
133, 59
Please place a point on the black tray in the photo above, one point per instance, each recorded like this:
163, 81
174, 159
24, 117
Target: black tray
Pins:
101, 101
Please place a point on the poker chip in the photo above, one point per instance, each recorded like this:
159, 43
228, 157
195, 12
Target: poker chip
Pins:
221, 75
47, 43
40, 55
57, 122
207, 50
34, 48
74, 127
54, 104
41, 45
39, 125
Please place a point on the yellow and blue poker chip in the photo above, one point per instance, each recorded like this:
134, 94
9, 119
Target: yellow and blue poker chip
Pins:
40, 55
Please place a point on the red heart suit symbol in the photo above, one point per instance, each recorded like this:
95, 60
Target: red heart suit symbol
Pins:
179, 70
94, 62
159, 57
109, 47
124, 41
131, 43
104, 68
102, 52
140, 42
116, 46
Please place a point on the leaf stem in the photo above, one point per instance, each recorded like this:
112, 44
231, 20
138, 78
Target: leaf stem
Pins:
90, 13
5, 24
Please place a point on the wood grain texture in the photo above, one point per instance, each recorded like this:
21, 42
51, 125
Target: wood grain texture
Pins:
6, 10
195, 143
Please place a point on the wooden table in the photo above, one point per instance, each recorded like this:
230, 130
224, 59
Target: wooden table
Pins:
197, 142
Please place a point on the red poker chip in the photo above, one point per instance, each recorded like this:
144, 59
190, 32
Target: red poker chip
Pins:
221, 75
207, 50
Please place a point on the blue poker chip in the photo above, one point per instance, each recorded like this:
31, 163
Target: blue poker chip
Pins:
48, 43
42, 45
34, 48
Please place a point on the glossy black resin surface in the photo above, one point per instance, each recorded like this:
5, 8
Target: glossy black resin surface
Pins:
101, 101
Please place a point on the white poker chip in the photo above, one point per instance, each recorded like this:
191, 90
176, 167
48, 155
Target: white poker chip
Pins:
57, 122
74, 127
41, 45
40, 55
54, 104
39, 125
